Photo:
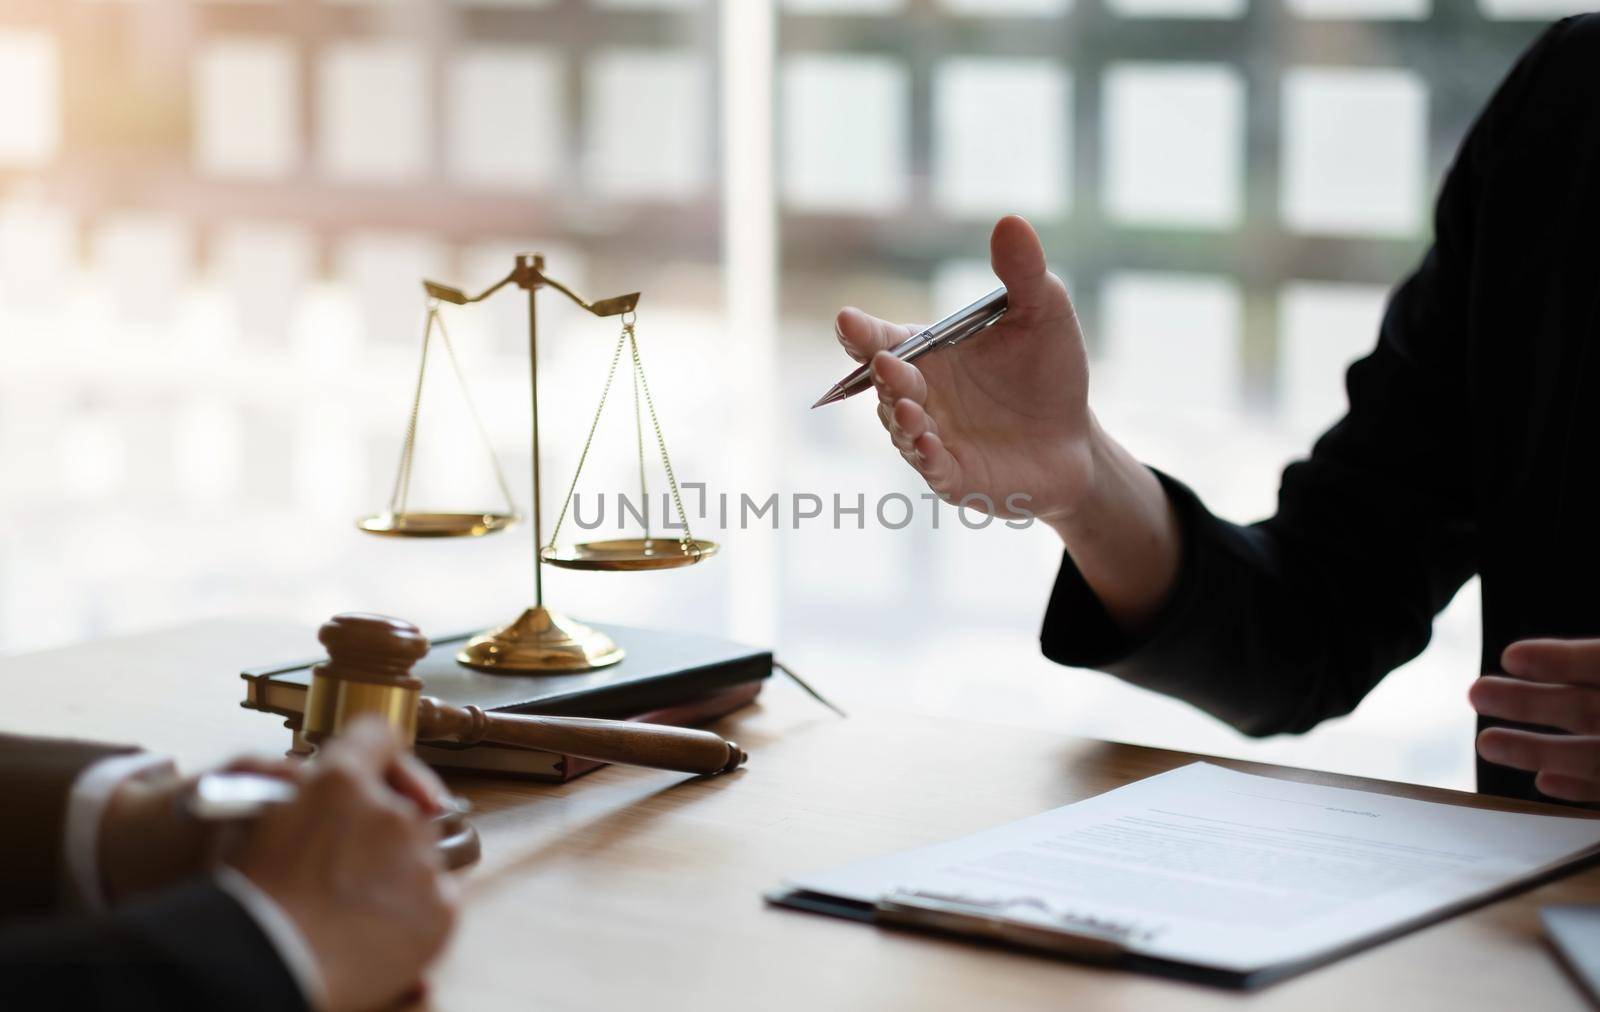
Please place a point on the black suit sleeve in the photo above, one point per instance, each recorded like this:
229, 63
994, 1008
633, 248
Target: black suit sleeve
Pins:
189, 947
36, 779
1276, 626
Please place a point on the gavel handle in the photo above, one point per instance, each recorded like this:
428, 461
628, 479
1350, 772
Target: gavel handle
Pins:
657, 746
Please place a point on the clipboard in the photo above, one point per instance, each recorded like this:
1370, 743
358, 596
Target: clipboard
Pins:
1036, 884
922, 911
905, 911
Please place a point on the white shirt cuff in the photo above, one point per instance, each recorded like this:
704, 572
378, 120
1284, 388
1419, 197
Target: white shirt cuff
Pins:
279, 929
86, 805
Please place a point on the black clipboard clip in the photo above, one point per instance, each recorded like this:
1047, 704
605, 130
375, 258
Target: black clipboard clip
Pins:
1094, 940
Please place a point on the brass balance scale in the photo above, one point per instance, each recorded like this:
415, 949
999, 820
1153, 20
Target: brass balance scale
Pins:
540, 639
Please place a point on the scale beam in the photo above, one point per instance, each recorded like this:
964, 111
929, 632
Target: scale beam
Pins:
529, 276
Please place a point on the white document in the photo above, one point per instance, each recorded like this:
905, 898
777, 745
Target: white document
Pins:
1215, 868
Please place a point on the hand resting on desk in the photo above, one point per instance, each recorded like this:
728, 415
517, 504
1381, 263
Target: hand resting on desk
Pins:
1551, 683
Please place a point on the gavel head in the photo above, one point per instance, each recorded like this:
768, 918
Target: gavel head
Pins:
368, 670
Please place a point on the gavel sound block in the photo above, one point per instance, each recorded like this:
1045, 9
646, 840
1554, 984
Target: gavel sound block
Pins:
368, 670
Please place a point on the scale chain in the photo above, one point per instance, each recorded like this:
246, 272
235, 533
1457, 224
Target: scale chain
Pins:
400, 498
402, 478
661, 440
605, 391
638, 436
477, 419
641, 384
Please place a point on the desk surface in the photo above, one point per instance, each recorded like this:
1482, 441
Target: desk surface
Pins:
636, 888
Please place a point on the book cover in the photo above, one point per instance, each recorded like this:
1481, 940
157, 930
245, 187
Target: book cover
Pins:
661, 669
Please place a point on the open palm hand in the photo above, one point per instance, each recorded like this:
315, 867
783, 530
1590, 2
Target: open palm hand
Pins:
1004, 415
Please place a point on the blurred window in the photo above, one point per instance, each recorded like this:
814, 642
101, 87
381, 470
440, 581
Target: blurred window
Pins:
1002, 8
843, 6
1534, 9
1172, 342
507, 117
647, 132
373, 123
247, 108
844, 134
1174, 144
1003, 137
1354, 151
1326, 327
30, 78
1178, 8
1404, 9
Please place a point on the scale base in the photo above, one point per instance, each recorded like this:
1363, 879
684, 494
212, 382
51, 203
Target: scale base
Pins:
540, 640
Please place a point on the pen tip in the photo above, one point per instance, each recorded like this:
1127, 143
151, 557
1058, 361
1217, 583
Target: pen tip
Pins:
828, 398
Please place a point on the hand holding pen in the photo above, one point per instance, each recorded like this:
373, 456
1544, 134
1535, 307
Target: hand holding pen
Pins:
1001, 414
964, 323
1001, 422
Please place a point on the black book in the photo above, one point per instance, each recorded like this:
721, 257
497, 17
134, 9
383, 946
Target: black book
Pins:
661, 670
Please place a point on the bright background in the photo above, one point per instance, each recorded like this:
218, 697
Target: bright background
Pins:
214, 217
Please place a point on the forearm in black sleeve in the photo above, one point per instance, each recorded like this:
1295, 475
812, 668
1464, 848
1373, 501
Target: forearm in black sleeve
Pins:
1253, 635
191, 946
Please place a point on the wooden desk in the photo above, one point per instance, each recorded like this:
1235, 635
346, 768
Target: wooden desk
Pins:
639, 889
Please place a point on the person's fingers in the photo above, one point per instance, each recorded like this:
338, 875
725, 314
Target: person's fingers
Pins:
352, 772
367, 741
1571, 708
935, 463
445, 900
897, 436
450, 894
910, 423
415, 782
374, 748
911, 420
435, 907
335, 774
1017, 256
905, 421
1558, 785
864, 335
266, 766
425, 838
1558, 754
392, 820
1570, 662
895, 379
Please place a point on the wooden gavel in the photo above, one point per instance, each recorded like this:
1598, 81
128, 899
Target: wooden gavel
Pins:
368, 670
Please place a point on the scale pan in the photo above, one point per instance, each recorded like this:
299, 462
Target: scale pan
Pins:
628, 554
436, 525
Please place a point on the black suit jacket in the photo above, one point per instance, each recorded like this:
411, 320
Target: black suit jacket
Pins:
188, 947
1472, 445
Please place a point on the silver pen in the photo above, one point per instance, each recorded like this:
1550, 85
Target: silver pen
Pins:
948, 332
